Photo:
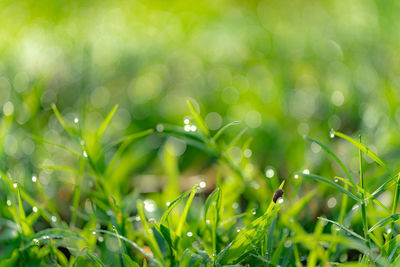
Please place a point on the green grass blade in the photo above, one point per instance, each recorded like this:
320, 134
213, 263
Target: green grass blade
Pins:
236, 139
329, 182
362, 147
383, 222
61, 120
222, 130
185, 212
199, 120
106, 121
344, 228
336, 158
150, 237
133, 244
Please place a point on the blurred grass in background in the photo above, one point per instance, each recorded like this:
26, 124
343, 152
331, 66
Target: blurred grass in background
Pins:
283, 68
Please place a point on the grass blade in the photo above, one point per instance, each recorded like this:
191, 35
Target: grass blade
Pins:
199, 120
222, 130
329, 182
182, 219
106, 121
362, 147
384, 221
344, 228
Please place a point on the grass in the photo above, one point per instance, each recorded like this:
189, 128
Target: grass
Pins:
236, 222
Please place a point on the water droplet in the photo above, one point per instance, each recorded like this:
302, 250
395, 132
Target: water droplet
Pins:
93, 232
388, 231
331, 134
235, 205
356, 206
53, 218
100, 238
149, 205
193, 128
189, 234
8, 202
287, 243
337, 228
331, 202
34, 209
280, 201
160, 128
202, 184
254, 212
186, 128
46, 237
15, 185
247, 153
76, 120
306, 171
269, 172
336, 180
167, 203
238, 230
34, 179
207, 221
296, 176
82, 143
85, 154
186, 121
114, 228
36, 241
137, 218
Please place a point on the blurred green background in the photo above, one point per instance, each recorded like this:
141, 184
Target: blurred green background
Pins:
283, 68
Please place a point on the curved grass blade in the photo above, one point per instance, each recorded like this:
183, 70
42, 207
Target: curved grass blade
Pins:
236, 139
61, 120
336, 158
384, 221
369, 195
222, 130
344, 228
362, 147
199, 120
172, 205
186, 211
106, 121
133, 244
329, 182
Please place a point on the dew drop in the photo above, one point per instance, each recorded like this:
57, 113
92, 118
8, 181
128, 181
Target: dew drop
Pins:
137, 218
193, 128
36, 241
34, 209
100, 238
269, 172
296, 176
85, 154
388, 231
287, 243
202, 184
189, 234
160, 128
8, 202
331, 134
306, 171
337, 228
53, 218
15, 185
207, 221
186, 128
235, 205
238, 230
336, 180
167, 203
93, 232
254, 212
34, 179
280, 201
186, 121
76, 120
